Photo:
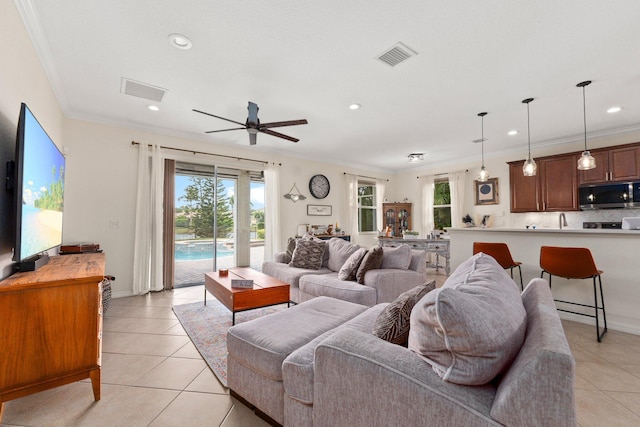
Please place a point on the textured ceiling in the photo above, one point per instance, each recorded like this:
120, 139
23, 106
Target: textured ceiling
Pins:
312, 59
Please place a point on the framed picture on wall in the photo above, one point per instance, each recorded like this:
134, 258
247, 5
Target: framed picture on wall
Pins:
487, 192
319, 210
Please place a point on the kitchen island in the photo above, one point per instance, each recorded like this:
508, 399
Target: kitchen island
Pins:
616, 252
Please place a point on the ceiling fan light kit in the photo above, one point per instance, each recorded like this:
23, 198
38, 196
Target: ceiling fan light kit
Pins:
529, 167
586, 161
483, 176
253, 125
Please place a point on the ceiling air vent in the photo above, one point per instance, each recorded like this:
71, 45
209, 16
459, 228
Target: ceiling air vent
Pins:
142, 90
397, 54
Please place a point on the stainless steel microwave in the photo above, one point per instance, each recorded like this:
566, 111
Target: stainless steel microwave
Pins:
610, 196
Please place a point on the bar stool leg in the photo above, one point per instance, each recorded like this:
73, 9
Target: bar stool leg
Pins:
521, 285
604, 314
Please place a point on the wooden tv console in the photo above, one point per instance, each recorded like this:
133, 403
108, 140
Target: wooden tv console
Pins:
51, 326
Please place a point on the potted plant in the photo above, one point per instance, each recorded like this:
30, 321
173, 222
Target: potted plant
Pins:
410, 234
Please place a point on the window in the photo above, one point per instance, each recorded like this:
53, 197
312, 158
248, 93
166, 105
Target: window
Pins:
441, 205
366, 207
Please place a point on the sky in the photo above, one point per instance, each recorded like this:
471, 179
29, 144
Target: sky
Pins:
257, 191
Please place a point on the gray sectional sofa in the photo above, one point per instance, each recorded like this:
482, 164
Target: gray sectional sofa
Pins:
380, 285
332, 370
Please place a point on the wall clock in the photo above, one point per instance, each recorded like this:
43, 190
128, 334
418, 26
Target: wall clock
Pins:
319, 186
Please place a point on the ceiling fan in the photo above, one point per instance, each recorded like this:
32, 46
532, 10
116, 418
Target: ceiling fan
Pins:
253, 125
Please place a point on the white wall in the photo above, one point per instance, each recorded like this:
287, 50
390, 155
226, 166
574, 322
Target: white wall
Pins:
22, 79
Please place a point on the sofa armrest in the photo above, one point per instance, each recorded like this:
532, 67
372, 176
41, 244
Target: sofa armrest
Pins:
279, 257
361, 380
389, 283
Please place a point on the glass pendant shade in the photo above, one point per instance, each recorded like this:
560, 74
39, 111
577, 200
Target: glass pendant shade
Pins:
529, 167
483, 176
586, 161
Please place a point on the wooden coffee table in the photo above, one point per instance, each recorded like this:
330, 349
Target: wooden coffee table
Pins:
266, 290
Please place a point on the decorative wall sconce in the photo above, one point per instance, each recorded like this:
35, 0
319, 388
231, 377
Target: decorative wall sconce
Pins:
294, 196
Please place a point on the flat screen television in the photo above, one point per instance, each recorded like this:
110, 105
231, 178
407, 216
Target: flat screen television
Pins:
38, 193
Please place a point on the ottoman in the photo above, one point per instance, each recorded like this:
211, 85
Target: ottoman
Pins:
257, 349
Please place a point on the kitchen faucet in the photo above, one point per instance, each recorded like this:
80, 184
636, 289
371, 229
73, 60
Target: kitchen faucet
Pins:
562, 220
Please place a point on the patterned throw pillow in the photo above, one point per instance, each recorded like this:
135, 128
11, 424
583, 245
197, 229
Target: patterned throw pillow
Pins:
291, 246
308, 254
350, 267
393, 322
371, 261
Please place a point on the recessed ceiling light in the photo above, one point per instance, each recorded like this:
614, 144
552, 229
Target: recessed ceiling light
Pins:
614, 109
354, 106
153, 107
180, 41
512, 132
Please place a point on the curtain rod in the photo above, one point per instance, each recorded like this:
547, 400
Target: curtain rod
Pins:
362, 176
443, 174
209, 154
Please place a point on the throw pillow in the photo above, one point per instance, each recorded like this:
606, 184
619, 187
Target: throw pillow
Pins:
350, 267
308, 254
398, 257
291, 246
471, 329
339, 251
392, 324
371, 261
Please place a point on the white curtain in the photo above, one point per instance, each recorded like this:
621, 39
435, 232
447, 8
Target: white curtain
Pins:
457, 189
147, 254
351, 202
427, 188
272, 210
380, 188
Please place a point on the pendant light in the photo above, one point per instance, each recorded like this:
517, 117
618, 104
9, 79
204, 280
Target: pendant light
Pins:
483, 176
586, 161
529, 167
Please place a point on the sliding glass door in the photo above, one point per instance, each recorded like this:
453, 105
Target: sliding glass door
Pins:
219, 221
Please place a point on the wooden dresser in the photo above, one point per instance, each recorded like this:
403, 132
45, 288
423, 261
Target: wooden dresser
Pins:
51, 326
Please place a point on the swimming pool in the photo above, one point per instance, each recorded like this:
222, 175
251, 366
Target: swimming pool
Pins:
192, 251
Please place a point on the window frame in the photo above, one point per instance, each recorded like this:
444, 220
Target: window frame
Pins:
373, 207
435, 184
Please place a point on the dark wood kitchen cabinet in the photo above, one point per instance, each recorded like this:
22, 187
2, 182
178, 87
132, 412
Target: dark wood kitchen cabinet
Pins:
613, 164
553, 189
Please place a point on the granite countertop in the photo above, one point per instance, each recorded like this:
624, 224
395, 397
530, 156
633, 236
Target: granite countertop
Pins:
550, 230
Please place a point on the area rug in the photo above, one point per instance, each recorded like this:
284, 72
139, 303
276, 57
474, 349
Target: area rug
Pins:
207, 327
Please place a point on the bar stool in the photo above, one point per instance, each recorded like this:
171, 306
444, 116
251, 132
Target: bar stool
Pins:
500, 252
574, 263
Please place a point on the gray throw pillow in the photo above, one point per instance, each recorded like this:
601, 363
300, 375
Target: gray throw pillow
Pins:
350, 267
308, 254
291, 246
398, 257
471, 329
392, 324
339, 251
371, 261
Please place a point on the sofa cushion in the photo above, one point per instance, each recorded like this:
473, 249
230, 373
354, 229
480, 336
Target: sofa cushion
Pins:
398, 257
339, 251
471, 328
350, 267
393, 322
313, 285
308, 254
371, 261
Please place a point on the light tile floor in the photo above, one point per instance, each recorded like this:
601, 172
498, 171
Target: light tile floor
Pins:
153, 376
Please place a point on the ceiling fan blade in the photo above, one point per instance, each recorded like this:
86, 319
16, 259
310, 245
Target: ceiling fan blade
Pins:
218, 117
287, 123
253, 137
253, 114
224, 130
279, 135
